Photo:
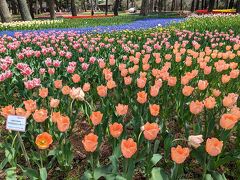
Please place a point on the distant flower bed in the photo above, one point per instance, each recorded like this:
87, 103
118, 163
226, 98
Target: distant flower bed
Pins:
210, 22
88, 16
216, 11
35, 24
88, 25
69, 22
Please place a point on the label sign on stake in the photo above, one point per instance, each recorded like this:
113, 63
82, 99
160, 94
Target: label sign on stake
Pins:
16, 123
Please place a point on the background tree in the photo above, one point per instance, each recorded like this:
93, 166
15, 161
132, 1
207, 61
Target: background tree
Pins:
115, 8
238, 6
181, 4
30, 4
51, 5
106, 8
92, 12
73, 8
4, 11
151, 4
211, 5
226, 4
24, 11
205, 4
231, 4
14, 5
197, 4
165, 5
84, 5
202, 4
160, 5
41, 5
217, 2
144, 6
173, 5
193, 5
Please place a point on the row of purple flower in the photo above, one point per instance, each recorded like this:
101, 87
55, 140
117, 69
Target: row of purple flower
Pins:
139, 24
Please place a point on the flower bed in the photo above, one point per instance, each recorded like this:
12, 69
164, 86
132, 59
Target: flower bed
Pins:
159, 104
89, 16
217, 11
67, 23
136, 25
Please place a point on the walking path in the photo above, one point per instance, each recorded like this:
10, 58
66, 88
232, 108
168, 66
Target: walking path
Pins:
139, 24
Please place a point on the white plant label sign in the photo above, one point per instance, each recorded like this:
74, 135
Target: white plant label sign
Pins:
16, 123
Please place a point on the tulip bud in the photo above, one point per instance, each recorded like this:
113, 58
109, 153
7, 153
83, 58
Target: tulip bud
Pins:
195, 141
77, 93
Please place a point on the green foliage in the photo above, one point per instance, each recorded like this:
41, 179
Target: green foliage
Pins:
211, 23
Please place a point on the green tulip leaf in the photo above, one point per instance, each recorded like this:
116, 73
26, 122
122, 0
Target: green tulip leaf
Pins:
11, 173
158, 174
155, 159
43, 173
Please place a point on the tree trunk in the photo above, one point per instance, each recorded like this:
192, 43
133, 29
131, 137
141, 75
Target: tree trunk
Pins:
24, 11
192, 5
30, 4
67, 3
155, 5
106, 8
226, 4
84, 6
211, 5
231, 4
151, 4
143, 10
73, 8
202, 4
51, 5
120, 5
173, 5
217, 4
60, 5
96, 5
41, 7
127, 4
238, 6
160, 3
181, 4
206, 4
14, 7
92, 12
115, 8
197, 5
4, 11
57, 6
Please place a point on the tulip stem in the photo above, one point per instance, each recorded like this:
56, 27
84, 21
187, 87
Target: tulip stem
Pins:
41, 159
175, 170
88, 105
139, 136
148, 167
14, 139
23, 149
92, 163
71, 107
180, 139
205, 166
126, 167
